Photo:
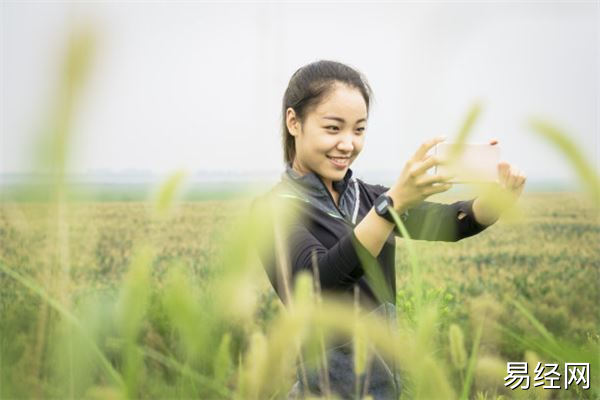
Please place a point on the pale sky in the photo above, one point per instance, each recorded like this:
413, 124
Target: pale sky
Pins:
198, 86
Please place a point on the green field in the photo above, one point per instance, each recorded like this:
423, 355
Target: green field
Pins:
145, 293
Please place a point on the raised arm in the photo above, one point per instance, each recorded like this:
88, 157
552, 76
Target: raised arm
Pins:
412, 187
338, 265
443, 222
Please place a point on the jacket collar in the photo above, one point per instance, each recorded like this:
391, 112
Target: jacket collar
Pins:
311, 189
313, 182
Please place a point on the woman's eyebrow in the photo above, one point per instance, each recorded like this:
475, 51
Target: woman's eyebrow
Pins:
341, 119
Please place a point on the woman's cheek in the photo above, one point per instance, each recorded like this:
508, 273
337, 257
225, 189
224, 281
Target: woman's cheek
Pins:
328, 143
358, 146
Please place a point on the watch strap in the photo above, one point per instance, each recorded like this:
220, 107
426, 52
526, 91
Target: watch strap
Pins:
384, 213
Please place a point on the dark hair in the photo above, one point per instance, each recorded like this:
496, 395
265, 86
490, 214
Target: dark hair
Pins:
307, 87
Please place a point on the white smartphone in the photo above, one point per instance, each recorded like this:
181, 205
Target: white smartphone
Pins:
476, 163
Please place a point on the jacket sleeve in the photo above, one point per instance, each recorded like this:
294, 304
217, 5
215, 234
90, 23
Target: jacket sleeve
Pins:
437, 221
337, 266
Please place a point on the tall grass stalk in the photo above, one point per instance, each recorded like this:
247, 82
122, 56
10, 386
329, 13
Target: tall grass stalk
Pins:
65, 313
464, 131
324, 365
560, 140
466, 388
174, 336
417, 280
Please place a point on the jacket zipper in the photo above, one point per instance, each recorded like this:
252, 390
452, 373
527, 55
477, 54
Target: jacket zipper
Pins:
333, 201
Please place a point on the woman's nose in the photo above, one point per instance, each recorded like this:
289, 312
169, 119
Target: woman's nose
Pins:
345, 143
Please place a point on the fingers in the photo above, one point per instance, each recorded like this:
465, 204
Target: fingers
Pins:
510, 176
418, 168
511, 180
428, 191
522, 179
425, 147
516, 178
519, 178
503, 168
431, 179
503, 171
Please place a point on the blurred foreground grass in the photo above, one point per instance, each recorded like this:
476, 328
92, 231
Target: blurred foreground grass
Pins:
549, 262
165, 300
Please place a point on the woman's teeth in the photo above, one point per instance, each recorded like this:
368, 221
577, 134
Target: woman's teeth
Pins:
339, 161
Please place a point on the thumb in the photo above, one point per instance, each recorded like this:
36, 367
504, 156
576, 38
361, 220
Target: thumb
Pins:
503, 171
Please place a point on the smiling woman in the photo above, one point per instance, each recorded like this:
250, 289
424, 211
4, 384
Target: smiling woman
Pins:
342, 225
331, 136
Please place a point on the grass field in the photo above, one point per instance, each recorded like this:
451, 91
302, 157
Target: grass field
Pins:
158, 299
86, 258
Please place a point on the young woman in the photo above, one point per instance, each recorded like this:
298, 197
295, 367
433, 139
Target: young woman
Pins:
325, 114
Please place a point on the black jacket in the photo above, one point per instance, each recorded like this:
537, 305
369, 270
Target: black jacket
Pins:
321, 227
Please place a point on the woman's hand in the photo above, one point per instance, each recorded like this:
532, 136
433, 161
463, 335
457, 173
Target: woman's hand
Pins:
511, 182
414, 185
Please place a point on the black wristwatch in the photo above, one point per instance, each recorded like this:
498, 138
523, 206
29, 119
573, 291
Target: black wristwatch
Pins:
382, 205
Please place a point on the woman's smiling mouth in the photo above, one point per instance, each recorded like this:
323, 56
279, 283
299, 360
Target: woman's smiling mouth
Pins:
339, 162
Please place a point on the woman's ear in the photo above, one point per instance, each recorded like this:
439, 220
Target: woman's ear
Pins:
292, 122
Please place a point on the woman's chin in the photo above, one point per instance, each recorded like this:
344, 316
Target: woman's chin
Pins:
336, 175
331, 172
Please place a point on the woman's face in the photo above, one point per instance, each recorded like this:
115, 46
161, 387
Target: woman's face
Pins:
332, 134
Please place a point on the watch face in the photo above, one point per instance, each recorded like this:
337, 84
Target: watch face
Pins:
381, 205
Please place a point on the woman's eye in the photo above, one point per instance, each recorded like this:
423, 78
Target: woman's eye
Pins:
360, 130
332, 128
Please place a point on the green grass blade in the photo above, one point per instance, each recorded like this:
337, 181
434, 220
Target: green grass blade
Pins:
167, 193
471, 367
568, 148
536, 324
417, 284
464, 131
184, 370
69, 317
